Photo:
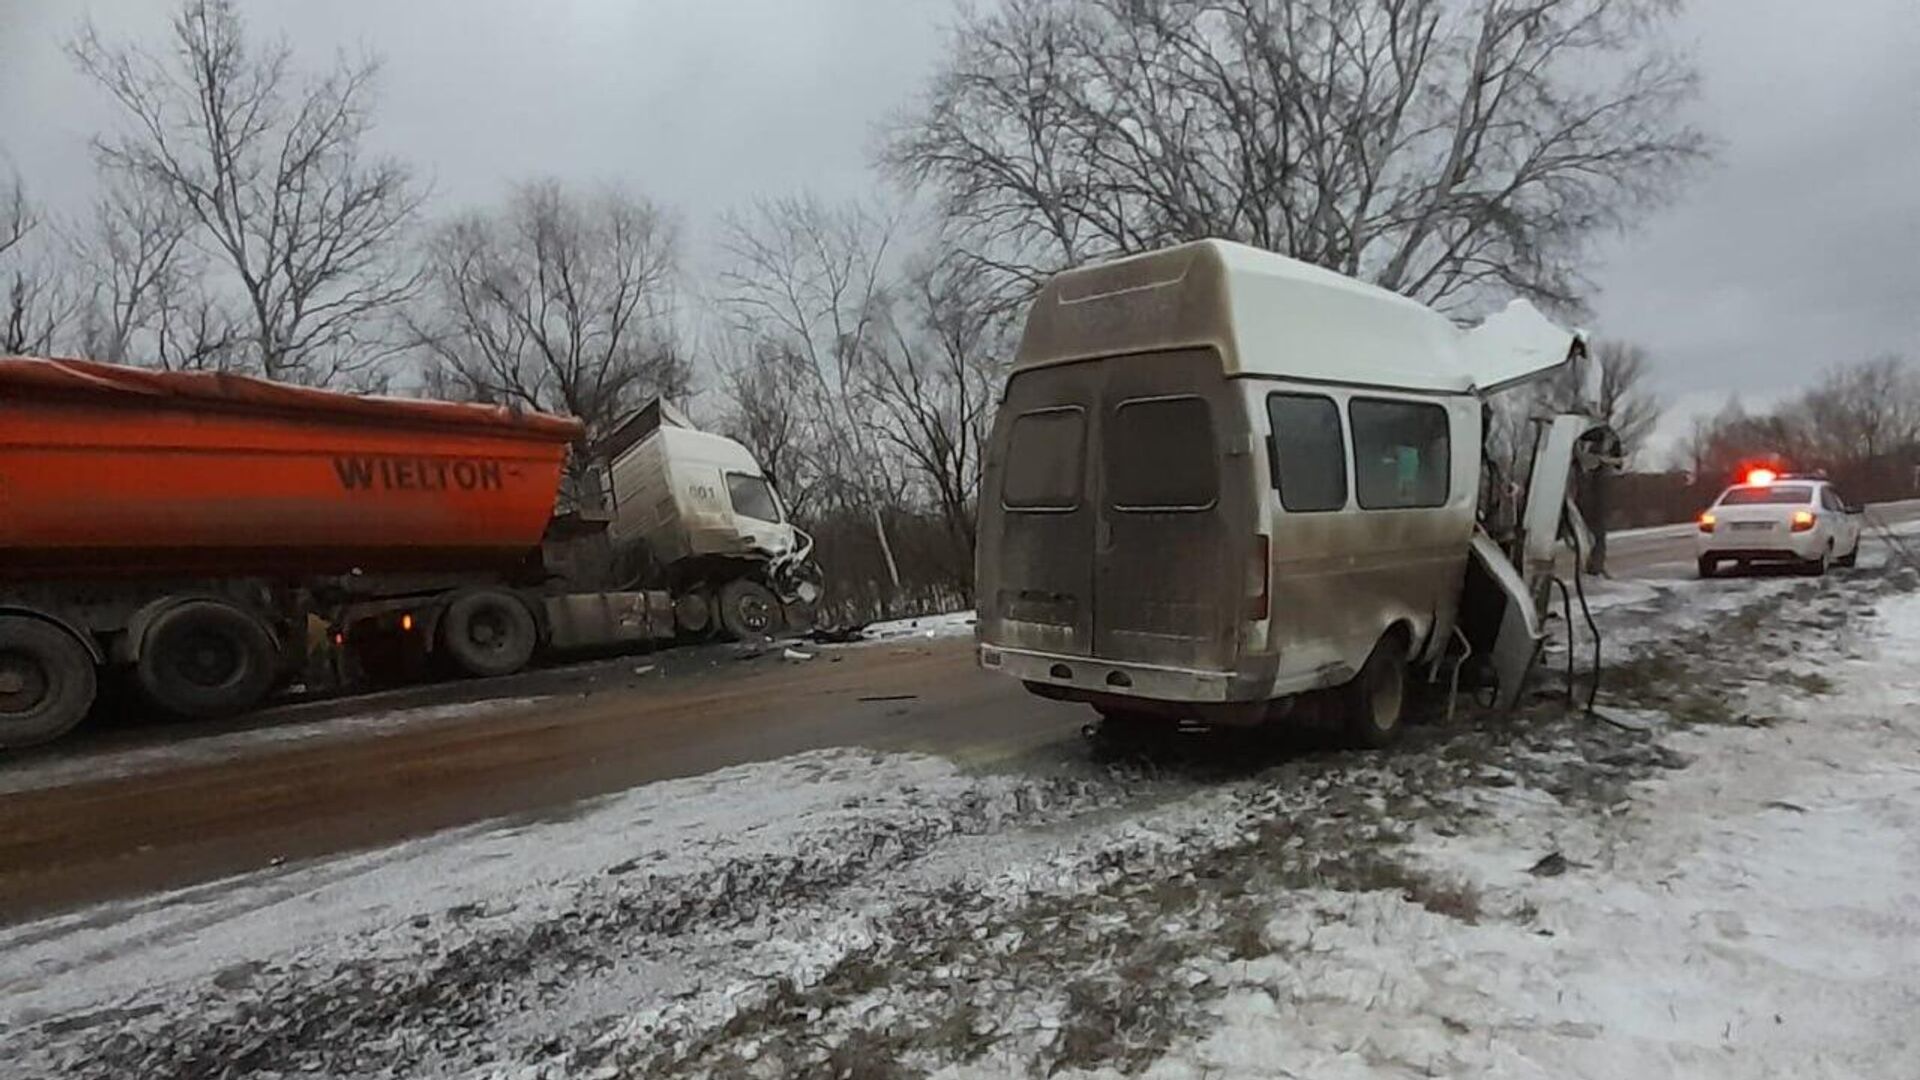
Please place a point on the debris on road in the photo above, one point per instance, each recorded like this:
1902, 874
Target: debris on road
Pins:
795, 654
1552, 864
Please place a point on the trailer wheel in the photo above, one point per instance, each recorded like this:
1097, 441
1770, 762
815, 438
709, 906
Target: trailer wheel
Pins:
47, 682
488, 632
1377, 696
748, 609
206, 658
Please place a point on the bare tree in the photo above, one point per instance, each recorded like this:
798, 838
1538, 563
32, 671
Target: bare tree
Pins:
764, 390
271, 167
805, 281
933, 392
146, 303
36, 303
557, 302
1610, 383
1859, 412
18, 218
1432, 146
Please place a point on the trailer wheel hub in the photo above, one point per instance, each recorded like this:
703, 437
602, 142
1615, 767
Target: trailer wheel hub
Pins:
485, 630
23, 682
208, 659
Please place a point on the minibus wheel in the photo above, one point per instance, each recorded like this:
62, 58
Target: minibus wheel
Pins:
1377, 696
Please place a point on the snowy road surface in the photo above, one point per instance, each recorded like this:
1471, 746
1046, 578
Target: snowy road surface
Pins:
1720, 880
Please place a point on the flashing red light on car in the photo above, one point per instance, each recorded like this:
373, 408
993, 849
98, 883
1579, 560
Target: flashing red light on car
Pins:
1802, 520
1761, 477
1707, 521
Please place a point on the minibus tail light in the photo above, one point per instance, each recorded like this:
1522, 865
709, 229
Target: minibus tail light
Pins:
1259, 579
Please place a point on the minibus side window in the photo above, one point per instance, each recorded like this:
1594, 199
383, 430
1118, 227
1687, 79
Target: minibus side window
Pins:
1401, 453
1309, 457
1046, 456
1160, 455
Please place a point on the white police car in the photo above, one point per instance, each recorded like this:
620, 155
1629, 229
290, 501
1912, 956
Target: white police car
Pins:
1779, 519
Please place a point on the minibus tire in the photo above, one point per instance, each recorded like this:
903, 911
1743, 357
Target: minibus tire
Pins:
1376, 699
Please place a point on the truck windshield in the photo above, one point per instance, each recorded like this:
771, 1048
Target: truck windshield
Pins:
1772, 495
752, 497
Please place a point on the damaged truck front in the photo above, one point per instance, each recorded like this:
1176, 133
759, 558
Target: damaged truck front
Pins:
1223, 483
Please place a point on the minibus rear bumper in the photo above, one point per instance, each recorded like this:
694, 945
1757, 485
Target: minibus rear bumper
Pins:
1200, 692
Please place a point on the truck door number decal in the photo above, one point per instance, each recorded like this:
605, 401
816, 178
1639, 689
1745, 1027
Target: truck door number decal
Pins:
416, 474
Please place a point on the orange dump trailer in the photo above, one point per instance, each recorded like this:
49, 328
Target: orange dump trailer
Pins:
117, 471
218, 536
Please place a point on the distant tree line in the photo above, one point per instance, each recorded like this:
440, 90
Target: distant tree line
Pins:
1457, 152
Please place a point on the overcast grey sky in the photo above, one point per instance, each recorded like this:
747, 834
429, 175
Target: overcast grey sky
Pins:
1800, 249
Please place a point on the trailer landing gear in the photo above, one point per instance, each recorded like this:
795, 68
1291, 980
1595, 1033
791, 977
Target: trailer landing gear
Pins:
46, 681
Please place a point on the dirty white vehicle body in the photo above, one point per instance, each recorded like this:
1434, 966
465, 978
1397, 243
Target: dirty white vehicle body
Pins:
1220, 479
694, 512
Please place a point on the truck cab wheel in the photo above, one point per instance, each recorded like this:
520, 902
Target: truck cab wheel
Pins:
206, 658
47, 681
748, 609
1377, 696
488, 632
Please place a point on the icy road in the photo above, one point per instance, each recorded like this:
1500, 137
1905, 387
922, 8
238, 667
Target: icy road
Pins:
890, 866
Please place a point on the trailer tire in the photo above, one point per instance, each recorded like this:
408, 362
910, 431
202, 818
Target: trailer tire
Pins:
205, 658
749, 609
488, 632
47, 681
1376, 698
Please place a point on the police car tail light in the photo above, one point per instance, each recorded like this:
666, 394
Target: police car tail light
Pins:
1802, 520
1707, 521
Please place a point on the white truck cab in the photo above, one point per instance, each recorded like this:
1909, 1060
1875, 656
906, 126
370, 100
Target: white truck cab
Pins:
693, 512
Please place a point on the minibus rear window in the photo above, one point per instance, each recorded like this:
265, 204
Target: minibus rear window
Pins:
1160, 455
1046, 455
1401, 453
